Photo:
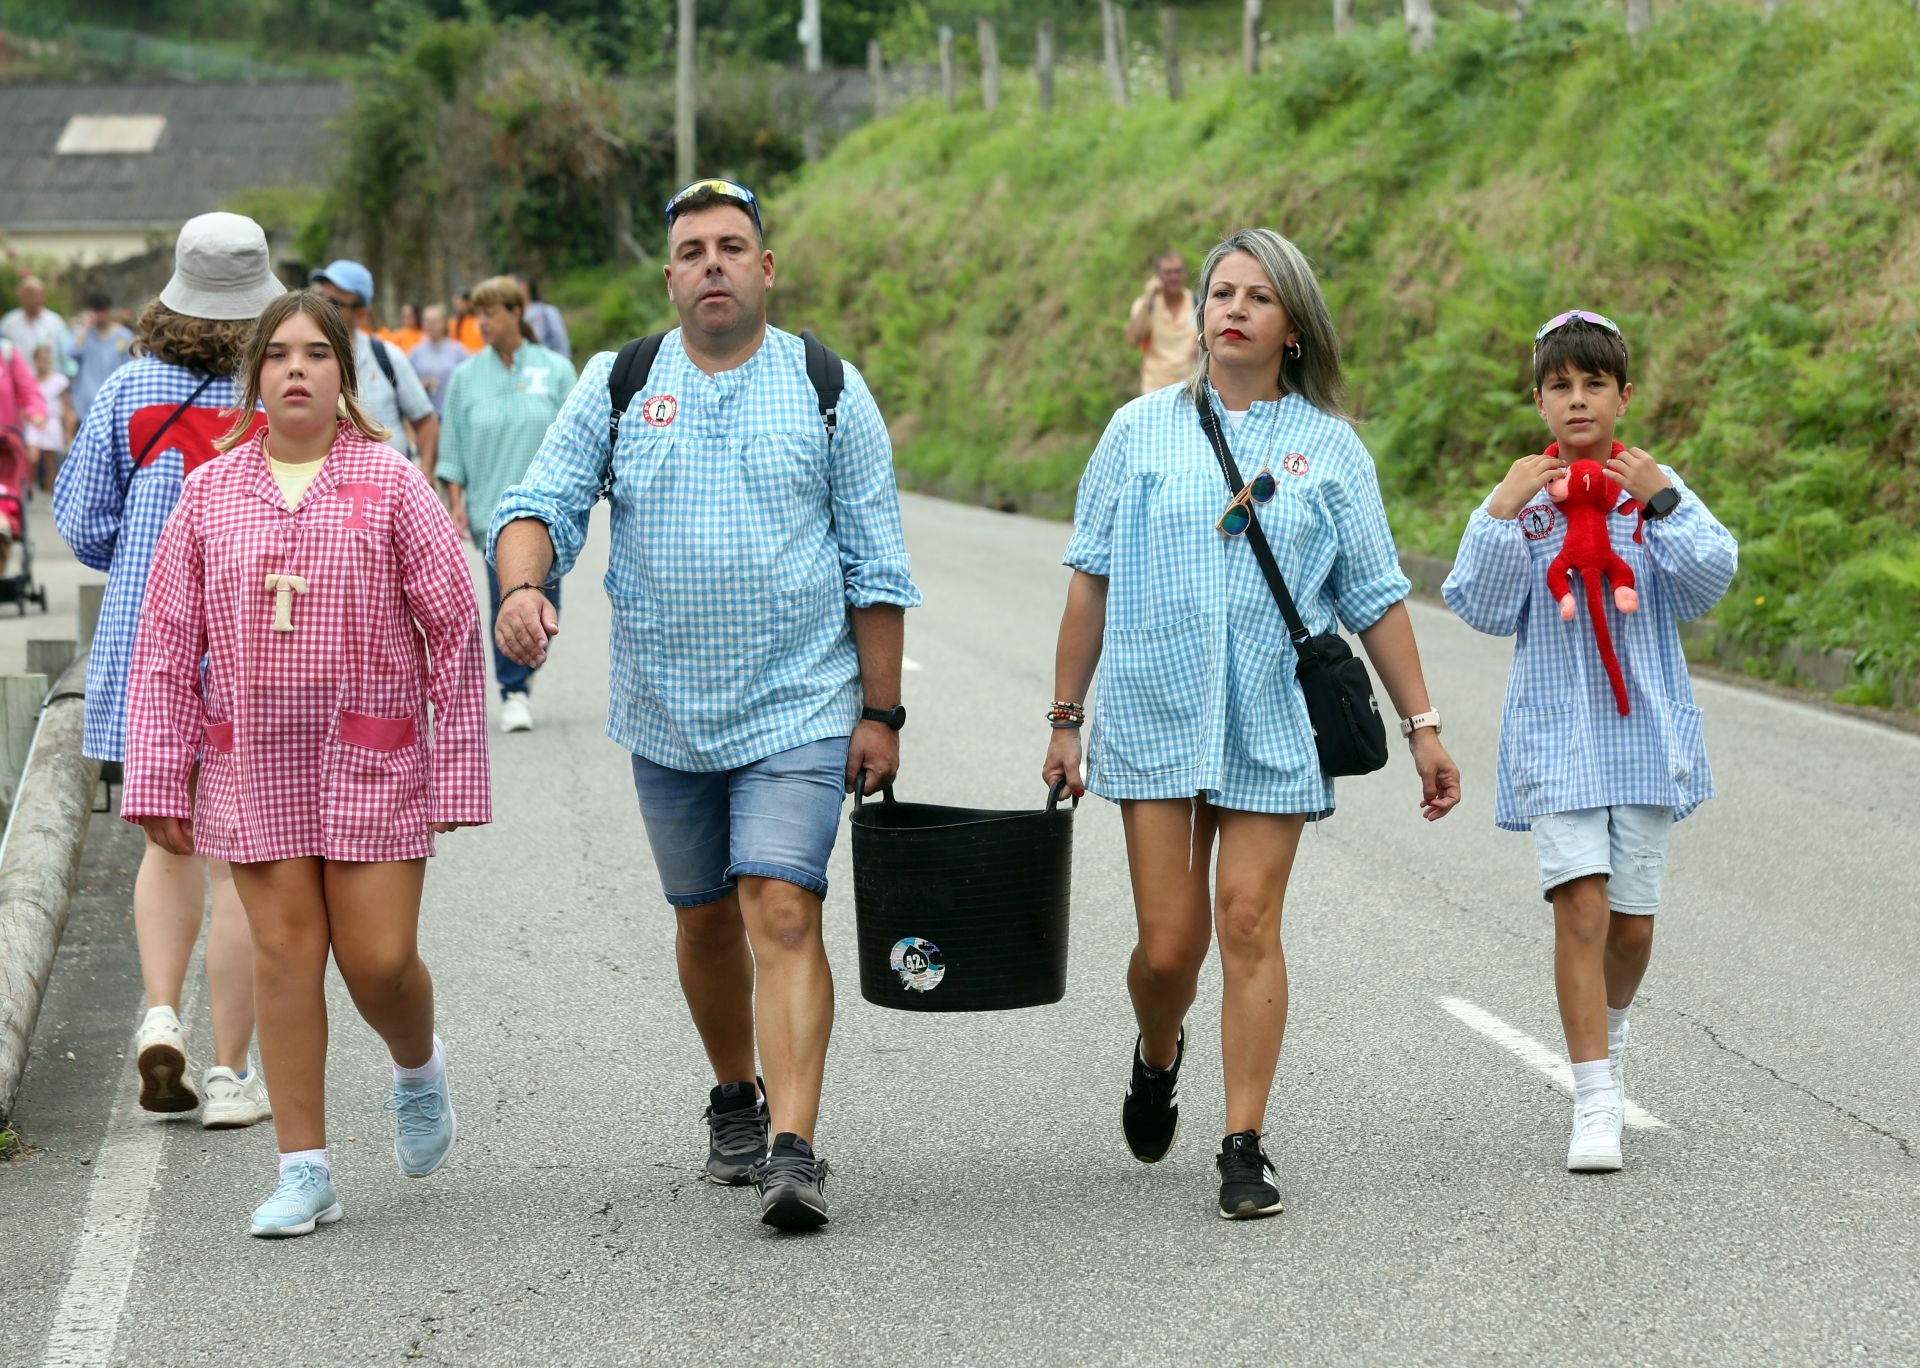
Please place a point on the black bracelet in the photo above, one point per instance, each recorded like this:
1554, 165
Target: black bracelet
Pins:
524, 584
1065, 726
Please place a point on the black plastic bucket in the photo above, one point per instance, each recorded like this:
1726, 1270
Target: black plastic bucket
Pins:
961, 909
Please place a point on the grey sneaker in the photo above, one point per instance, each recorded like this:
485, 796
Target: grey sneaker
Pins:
792, 1185
737, 1123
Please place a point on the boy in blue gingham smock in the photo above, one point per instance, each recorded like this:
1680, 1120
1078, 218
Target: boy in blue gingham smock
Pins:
1195, 692
1599, 789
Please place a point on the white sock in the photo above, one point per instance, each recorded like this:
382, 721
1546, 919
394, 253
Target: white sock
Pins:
172, 1015
1617, 1028
1593, 1082
428, 1071
319, 1156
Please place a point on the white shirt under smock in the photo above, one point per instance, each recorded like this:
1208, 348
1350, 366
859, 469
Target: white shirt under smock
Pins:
1195, 693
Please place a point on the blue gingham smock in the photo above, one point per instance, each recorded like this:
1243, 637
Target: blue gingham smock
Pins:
739, 544
1195, 692
1563, 745
110, 511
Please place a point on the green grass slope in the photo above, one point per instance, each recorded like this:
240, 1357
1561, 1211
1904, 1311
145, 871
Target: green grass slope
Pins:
1740, 194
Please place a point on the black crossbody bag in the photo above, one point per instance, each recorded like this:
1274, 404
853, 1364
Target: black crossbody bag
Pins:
1348, 731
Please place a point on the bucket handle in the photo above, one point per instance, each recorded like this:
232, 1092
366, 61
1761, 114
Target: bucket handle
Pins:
860, 790
1054, 794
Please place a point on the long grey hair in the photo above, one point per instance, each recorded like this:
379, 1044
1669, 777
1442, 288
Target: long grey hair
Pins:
1314, 374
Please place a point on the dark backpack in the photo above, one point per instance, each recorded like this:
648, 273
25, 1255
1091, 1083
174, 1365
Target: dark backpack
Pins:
826, 372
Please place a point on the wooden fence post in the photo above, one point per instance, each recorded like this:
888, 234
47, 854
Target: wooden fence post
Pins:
1420, 24
1043, 64
1639, 17
946, 66
989, 64
684, 150
1114, 44
810, 38
20, 700
877, 77
1250, 36
1170, 48
1343, 16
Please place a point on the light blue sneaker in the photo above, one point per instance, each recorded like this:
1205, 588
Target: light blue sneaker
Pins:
423, 1125
304, 1199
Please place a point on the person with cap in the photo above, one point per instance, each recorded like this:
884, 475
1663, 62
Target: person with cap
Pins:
152, 422
389, 390
758, 576
499, 406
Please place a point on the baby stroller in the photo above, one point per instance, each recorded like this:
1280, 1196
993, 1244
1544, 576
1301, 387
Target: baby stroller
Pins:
16, 562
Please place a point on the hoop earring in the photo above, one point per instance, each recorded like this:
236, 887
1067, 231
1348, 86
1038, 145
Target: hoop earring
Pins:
1293, 350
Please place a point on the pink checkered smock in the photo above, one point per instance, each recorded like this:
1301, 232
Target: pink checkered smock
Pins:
313, 741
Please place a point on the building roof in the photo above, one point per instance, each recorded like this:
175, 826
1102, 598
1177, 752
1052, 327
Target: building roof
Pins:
219, 139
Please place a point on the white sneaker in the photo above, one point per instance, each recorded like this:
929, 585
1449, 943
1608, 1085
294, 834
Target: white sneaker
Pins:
515, 715
1596, 1137
233, 1102
160, 1050
1617, 1064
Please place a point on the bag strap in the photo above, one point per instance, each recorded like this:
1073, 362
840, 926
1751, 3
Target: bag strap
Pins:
172, 418
1262, 549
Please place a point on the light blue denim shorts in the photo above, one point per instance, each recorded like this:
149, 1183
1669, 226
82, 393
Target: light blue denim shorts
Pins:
1628, 844
773, 819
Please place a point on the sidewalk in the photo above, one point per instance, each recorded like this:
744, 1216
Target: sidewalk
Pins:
54, 567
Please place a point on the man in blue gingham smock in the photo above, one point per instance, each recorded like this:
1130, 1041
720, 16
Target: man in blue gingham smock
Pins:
1563, 745
738, 546
1195, 692
110, 505
758, 575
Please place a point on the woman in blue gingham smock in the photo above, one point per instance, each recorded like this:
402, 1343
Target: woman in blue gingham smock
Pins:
1199, 730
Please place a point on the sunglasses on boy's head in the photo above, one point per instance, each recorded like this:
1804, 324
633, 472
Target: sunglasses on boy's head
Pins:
725, 189
1559, 321
1239, 515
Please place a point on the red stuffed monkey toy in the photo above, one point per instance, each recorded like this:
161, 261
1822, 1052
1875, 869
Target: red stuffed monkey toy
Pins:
1587, 495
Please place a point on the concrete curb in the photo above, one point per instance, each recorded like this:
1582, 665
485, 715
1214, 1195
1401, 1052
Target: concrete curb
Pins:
39, 866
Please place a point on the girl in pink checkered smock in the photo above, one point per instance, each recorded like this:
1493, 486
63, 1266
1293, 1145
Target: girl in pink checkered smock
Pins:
320, 578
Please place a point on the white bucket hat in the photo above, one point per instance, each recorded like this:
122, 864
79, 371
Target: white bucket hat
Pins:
221, 269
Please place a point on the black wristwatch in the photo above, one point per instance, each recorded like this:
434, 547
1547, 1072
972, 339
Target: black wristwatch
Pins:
1663, 502
892, 717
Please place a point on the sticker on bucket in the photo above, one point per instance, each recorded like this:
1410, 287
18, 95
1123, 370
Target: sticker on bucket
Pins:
918, 964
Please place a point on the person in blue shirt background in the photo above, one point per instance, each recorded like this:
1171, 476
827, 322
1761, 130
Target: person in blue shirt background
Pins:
1200, 730
1600, 791
758, 576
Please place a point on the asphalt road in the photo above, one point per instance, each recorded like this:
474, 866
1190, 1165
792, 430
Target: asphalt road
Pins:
984, 1207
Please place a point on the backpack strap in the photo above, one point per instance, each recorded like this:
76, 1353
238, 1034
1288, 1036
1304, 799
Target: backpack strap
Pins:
827, 373
630, 371
385, 363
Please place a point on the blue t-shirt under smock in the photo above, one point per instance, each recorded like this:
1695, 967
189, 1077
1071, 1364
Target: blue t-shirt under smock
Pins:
1563, 745
1195, 692
740, 541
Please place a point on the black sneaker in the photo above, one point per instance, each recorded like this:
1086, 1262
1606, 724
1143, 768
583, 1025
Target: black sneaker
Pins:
737, 1119
1150, 1116
792, 1185
1245, 1192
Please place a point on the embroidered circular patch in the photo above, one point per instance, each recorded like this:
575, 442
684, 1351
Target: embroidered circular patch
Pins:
1536, 521
918, 964
659, 410
1294, 463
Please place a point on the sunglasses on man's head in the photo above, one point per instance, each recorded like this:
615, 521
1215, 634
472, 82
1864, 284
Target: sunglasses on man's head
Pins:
1559, 321
725, 189
1239, 515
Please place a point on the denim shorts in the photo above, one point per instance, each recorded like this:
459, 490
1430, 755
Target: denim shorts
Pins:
1628, 844
773, 819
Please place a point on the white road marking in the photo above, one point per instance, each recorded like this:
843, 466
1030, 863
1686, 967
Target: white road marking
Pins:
908, 663
124, 1172
1536, 1055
